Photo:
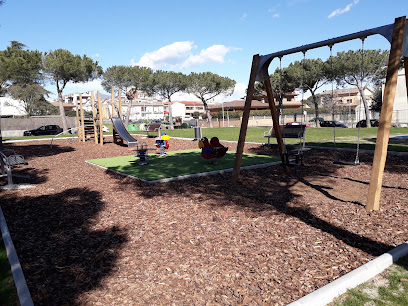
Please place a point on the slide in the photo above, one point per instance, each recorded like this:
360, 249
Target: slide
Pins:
120, 129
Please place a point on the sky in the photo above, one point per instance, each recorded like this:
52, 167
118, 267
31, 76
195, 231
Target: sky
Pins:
191, 35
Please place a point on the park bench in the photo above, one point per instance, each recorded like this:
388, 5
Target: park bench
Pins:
292, 151
153, 128
8, 159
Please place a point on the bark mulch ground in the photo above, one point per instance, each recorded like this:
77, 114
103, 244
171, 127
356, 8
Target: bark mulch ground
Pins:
87, 236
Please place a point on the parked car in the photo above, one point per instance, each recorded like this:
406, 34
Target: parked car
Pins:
314, 119
363, 123
105, 129
296, 123
51, 129
332, 123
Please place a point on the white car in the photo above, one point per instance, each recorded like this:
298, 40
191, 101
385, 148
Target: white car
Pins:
105, 129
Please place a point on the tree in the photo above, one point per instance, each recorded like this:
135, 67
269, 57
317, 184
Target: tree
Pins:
360, 69
61, 67
377, 99
308, 75
165, 84
32, 96
206, 85
19, 66
128, 79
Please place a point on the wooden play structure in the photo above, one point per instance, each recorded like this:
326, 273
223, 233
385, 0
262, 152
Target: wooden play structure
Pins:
397, 35
90, 127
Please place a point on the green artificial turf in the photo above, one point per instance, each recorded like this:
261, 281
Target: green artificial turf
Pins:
176, 164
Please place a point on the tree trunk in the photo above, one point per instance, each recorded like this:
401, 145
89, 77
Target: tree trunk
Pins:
170, 115
207, 112
367, 111
129, 108
316, 109
62, 111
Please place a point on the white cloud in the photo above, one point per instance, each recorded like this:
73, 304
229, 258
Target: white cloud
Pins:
277, 15
172, 55
213, 54
243, 17
179, 55
97, 54
342, 11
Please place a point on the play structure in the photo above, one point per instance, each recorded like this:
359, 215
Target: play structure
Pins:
397, 35
212, 149
120, 133
90, 127
162, 143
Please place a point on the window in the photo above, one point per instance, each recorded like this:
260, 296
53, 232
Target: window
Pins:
289, 99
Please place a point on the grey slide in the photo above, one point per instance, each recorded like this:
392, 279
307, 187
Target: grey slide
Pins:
122, 131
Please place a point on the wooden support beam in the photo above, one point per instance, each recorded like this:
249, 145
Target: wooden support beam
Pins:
383, 134
120, 105
275, 119
82, 118
95, 116
100, 120
245, 118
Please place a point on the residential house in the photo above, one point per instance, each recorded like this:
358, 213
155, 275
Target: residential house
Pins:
349, 100
400, 111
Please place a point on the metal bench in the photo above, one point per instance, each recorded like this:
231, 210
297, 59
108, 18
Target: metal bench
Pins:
293, 151
8, 159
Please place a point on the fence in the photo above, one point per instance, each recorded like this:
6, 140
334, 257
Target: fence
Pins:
13, 127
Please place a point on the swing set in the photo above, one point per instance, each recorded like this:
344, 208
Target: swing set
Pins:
397, 35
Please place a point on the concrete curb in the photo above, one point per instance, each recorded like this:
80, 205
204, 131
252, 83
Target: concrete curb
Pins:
326, 294
22, 290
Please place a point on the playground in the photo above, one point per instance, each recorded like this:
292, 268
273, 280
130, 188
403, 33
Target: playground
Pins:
87, 235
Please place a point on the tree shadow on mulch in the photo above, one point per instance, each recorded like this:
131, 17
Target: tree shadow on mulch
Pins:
25, 175
38, 150
61, 255
267, 190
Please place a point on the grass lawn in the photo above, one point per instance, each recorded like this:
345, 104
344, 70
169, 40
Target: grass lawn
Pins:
176, 164
8, 292
346, 138
388, 288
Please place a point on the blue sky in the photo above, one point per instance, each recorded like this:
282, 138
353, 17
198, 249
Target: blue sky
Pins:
191, 35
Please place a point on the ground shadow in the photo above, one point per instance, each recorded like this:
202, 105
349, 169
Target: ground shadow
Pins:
267, 190
61, 255
38, 150
25, 175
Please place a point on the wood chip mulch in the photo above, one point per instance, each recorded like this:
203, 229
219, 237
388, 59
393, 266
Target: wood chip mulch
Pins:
87, 236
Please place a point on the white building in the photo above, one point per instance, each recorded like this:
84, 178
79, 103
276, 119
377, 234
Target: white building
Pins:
400, 112
10, 107
143, 110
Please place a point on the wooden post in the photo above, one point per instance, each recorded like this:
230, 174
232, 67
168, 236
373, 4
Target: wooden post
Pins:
113, 100
380, 154
95, 116
100, 120
120, 104
77, 116
245, 118
82, 118
275, 119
